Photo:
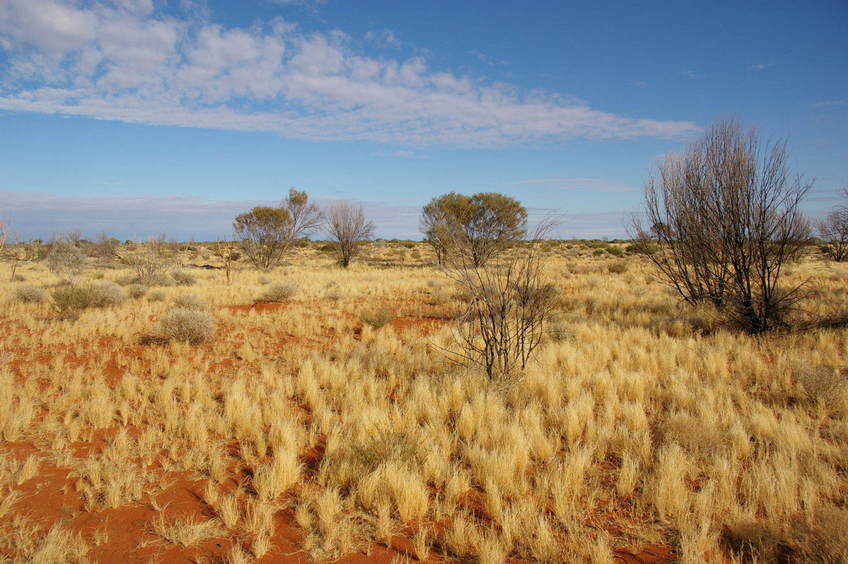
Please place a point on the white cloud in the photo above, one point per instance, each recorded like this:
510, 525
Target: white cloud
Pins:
760, 66
125, 61
579, 184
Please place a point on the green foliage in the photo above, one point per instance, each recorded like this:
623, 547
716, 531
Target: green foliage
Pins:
642, 247
474, 228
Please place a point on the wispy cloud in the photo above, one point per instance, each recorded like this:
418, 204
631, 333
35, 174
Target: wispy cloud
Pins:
385, 38
760, 66
130, 62
831, 103
579, 184
487, 59
690, 74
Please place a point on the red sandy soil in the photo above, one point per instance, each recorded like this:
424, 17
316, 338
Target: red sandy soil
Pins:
51, 496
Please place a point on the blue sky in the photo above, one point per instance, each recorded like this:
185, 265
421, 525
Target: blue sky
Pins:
138, 117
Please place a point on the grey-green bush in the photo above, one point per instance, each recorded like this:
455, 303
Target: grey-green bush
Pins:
183, 278
30, 295
187, 325
190, 301
279, 292
65, 259
136, 291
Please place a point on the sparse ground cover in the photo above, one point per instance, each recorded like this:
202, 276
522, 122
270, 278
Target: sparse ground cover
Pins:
316, 417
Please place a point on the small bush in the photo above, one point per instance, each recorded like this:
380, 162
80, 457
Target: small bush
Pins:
136, 291
187, 325
126, 280
31, 295
617, 268
183, 278
598, 252
615, 251
377, 318
70, 300
642, 248
279, 292
190, 301
156, 296
65, 259
263, 280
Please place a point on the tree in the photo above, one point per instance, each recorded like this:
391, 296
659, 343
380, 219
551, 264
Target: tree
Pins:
509, 307
726, 214
348, 229
473, 228
266, 233
834, 230
65, 260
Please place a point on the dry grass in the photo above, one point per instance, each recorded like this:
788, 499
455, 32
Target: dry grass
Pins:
645, 424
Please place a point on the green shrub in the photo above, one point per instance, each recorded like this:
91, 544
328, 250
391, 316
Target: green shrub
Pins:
642, 248
615, 251
31, 295
598, 252
279, 292
187, 325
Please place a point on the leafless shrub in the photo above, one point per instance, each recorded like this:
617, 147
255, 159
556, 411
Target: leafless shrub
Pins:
726, 215
834, 230
278, 292
348, 230
823, 384
508, 307
187, 325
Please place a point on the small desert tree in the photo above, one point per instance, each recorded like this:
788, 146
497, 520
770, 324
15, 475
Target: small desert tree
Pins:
348, 230
266, 233
726, 214
509, 305
65, 260
834, 230
478, 227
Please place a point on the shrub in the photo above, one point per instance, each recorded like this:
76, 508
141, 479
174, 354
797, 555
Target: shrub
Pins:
126, 280
190, 301
642, 247
65, 259
31, 295
598, 252
70, 300
279, 292
617, 268
377, 318
615, 251
187, 325
156, 296
183, 278
136, 290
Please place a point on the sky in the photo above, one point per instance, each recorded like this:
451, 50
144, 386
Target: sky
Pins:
142, 117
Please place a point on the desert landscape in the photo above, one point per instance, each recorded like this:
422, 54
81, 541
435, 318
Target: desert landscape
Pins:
319, 419
441, 282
